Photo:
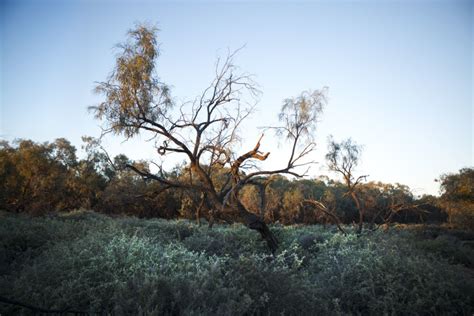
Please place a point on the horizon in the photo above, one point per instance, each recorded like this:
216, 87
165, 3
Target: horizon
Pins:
399, 74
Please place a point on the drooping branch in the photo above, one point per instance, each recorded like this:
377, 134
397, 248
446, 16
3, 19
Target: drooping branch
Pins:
359, 180
168, 183
321, 207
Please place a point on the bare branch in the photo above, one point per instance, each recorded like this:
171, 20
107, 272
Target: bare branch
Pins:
321, 207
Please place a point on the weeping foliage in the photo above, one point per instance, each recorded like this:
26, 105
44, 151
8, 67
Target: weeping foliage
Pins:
343, 155
300, 114
133, 92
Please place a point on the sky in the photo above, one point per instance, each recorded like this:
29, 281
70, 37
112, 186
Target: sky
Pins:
399, 72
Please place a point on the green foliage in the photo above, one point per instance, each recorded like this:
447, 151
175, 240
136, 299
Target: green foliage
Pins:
125, 265
451, 248
381, 275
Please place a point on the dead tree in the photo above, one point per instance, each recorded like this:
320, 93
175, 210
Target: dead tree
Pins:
204, 131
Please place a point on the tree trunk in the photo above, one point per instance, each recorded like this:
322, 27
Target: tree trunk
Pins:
235, 211
257, 223
211, 219
198, 216
199, 209
361, 211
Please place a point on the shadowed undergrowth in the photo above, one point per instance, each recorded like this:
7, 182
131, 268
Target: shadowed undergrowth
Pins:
90, 262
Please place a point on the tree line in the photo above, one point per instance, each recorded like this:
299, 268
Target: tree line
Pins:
39, 178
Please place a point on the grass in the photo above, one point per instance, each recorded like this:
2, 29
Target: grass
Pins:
90, 262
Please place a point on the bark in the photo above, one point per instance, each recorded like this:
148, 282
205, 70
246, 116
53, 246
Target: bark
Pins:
198, 215
259, 225
211, 219
235, 211
252, 221
255, 222
199, 209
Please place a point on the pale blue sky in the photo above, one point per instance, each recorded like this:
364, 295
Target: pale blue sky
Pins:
399, 72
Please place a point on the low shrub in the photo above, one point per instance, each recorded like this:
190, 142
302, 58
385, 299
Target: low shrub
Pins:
125, 265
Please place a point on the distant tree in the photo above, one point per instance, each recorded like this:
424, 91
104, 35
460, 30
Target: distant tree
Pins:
458, 186
335, 198
99, 161
320, 203
457, 196
10, 181
432, 211
343, 157
129, 194
387, 203
203, 132
37, 177
64, 153
291, 208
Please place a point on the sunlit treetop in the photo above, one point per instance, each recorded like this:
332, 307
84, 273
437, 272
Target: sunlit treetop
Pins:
133, 91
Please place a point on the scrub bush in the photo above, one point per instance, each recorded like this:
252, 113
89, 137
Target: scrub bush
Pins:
125, 265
